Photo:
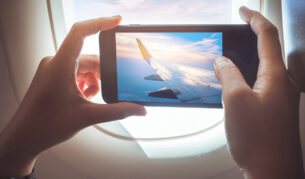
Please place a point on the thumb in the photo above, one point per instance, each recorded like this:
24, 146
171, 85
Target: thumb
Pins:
99, 113
230, 77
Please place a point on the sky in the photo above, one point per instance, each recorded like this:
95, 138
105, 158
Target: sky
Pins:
157, 11
149, 12
196, 50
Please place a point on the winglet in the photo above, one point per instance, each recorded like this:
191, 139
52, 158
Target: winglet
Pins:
143, 50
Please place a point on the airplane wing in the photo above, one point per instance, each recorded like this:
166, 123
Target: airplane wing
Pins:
186, 83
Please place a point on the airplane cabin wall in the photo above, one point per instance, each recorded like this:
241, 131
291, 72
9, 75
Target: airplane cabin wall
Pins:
273, 11
25, 38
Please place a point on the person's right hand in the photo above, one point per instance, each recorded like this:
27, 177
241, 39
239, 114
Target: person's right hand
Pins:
262, 123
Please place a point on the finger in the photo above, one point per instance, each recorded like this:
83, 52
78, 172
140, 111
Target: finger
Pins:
89, 63
229, 76
81, 77
81, 85
98, 113
269, 49
71, 47
93, 85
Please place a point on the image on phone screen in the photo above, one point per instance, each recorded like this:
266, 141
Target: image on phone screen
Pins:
174, 67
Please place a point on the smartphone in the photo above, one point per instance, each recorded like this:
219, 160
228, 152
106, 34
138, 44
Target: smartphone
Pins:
172, 65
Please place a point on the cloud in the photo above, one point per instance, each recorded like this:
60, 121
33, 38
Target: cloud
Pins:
165, 47
199, 77
130, 5
157, 11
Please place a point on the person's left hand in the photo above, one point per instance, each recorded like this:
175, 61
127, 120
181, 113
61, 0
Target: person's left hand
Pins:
55, 106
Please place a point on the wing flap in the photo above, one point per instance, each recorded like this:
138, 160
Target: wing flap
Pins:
163, 93
154, 77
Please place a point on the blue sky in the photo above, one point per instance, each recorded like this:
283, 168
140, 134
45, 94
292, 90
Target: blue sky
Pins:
197, 50
194, 37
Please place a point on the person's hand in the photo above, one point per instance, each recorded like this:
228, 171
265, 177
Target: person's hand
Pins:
54, 108
262, 124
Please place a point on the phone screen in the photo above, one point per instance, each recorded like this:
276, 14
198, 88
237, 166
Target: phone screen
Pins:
171, 67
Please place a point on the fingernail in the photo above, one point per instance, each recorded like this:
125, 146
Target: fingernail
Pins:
141, 112
244, 8
243, 12
220, 61
116, 16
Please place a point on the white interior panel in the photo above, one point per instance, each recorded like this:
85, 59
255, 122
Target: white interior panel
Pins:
99, 155
50, 167
27, 38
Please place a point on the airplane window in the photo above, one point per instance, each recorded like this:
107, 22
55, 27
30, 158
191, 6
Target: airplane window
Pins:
159, 11
163, 123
